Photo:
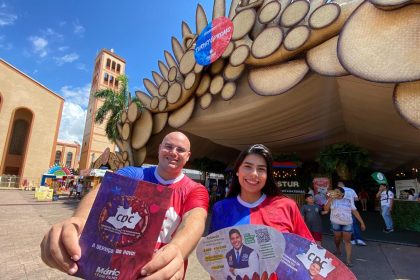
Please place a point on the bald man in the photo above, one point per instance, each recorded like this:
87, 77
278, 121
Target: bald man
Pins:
184, 222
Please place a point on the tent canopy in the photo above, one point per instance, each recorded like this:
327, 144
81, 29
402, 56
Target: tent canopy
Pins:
318, 112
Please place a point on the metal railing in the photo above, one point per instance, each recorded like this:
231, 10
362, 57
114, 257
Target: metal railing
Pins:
16, 182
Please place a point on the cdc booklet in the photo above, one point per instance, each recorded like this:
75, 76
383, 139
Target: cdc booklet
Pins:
122, 228
259, 252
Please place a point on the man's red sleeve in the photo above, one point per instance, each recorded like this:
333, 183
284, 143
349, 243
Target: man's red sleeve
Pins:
197, 197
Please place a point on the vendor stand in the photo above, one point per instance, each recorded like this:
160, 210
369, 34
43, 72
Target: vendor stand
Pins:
406, 213
91, 178
56, 179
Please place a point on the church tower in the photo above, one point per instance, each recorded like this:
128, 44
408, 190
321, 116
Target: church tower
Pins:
108, 66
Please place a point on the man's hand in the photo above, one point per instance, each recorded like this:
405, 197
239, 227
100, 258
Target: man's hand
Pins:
60, 247
363, 226
166, 263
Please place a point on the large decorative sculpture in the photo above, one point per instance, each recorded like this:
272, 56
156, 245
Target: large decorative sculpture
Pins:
276, 43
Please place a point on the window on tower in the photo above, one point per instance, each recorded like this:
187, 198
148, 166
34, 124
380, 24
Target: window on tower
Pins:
108, 63
57, 160
69, 159
106, 77
118, 68
113, 66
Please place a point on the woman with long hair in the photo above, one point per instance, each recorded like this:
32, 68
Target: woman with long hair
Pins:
342, 209
254, 197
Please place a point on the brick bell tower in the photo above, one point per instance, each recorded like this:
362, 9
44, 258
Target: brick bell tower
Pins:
108, 66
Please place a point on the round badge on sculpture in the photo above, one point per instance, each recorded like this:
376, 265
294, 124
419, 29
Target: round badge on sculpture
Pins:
123, 221
213, 40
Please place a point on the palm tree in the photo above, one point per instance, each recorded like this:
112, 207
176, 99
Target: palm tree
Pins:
115, 102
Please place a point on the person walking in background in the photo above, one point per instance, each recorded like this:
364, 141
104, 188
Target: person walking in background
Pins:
363, 196
411, 194
386, 198
72, 187
311, 213
356, 237
79, 190
342, 209
320, 198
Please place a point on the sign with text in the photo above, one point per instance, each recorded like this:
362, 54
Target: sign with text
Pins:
44, 193
122, 228
290, 187
213, 40
261, 252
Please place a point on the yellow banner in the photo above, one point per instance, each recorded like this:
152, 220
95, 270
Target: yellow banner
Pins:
44, 193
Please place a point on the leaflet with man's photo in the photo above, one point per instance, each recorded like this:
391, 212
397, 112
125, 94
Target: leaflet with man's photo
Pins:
122, 228
261, 252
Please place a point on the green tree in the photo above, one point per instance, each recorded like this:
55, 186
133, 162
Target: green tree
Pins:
115, 102
345, 159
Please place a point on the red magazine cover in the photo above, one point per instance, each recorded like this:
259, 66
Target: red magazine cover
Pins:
122, 228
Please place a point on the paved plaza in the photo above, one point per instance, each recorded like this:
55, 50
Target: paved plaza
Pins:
23, 222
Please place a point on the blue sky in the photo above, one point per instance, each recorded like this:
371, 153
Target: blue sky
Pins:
55, 42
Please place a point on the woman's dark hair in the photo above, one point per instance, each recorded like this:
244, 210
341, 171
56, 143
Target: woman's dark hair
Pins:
270, 187
341, 189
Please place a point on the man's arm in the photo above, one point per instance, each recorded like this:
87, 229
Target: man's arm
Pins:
356, 198
327, 205
391, 202
60, 245
359, 218
168, 262
380, 190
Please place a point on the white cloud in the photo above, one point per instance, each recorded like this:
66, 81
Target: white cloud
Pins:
39, 45
72, 122
68, 58
76, 95
74, 112
63, 48
78, 28
6, 17
82, 67
5, 45
52, 34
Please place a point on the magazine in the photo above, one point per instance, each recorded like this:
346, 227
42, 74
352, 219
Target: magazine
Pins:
260, 252
121, 231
